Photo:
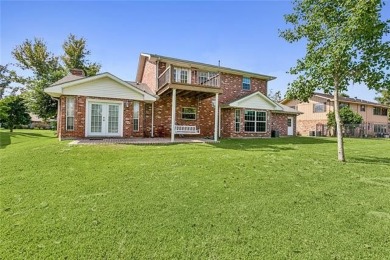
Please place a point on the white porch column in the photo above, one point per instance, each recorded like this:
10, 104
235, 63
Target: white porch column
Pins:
216, 118
173, 117
152, 134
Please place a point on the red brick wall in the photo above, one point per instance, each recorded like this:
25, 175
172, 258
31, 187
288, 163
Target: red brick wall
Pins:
80, 108
163, 110
79, 118
149, 76
232, 87
162, 66
228, 124
279, 123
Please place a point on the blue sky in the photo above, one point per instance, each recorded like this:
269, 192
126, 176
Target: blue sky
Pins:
242, 35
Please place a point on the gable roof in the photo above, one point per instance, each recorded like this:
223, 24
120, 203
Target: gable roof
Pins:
347, 99
343, 99
187, 63
57, 89
67, 78
258, 100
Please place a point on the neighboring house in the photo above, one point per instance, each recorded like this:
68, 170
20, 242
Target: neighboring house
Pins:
189, 97
313, 120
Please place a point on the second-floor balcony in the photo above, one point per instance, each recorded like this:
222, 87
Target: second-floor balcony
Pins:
185, 76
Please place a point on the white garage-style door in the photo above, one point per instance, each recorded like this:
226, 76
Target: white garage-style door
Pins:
104, 118
290, 126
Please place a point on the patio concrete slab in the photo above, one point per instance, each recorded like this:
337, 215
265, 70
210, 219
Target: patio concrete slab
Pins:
139, 141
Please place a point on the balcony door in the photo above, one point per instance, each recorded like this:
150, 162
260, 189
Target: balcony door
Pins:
104, 119
181, 75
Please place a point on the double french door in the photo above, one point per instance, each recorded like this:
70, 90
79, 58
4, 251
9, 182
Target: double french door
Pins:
104, 119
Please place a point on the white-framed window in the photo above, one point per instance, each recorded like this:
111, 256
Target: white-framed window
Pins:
255, 121
181, 75
188, 113
135, 116
319, 108
70, 109
362, 108
237, 120
246, 83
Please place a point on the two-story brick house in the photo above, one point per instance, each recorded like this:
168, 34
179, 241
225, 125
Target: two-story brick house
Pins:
170, 97
313, 119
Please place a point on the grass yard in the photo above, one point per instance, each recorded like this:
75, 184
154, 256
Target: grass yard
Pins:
239, 199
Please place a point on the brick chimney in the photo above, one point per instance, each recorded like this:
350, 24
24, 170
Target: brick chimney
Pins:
77, 72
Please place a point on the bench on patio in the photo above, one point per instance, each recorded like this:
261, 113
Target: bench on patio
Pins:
186, 130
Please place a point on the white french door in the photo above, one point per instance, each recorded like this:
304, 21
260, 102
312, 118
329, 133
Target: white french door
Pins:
104, 119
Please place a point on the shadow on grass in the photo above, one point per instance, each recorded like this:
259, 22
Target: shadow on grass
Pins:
270, 144
5, 137
370, 160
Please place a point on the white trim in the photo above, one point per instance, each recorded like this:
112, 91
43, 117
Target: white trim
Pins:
266, 121
216, 118
66, 113
173, 115
107, 102
290, 127
236, 103
134, 118
57, 90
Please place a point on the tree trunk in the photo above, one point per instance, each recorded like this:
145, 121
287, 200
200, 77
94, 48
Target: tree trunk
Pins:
339, 127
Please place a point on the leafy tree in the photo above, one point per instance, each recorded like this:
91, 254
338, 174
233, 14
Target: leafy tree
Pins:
347, 116
275, 96
13, 112
384, 99
6, 77
47, 68
344, 44
76, 56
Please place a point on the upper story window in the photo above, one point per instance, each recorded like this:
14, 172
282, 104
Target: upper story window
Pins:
246, 83
319, 108
181, 75
70, 104
379, 111
362, 108
341, 105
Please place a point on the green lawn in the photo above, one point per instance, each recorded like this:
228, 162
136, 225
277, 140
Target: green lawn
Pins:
259, 198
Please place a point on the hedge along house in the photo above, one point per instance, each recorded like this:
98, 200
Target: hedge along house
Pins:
170, 97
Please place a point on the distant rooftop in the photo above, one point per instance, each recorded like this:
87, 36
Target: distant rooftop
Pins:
348, 99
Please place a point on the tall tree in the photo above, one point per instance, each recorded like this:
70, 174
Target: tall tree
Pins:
75, 56
47, 68
13, 111
344, 44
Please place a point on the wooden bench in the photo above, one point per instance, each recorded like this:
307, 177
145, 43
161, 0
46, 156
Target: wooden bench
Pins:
186, 130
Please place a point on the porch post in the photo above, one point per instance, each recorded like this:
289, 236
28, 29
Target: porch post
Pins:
173, 117
152, 134
216, 118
